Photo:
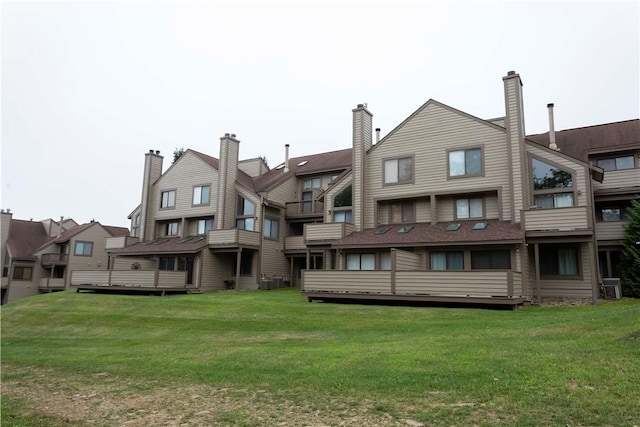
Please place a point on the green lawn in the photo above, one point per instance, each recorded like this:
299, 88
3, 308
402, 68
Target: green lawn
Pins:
325, 362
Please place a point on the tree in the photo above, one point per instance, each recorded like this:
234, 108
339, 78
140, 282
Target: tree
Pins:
630, 257
177, 153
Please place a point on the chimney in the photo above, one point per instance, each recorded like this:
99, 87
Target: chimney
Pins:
60, 227
377, 135
227, 173
152, 171
552, 132
286, 158
514, 124
362, 123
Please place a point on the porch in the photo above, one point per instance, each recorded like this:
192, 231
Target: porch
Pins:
144, 281
49, 284
500, 287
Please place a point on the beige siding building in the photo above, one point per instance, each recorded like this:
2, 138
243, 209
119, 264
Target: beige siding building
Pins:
447, 207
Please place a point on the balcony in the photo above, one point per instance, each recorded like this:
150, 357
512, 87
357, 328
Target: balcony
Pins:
610, 230
50, 284
233, 238
52, 259
618, 181
294, 243
306, 209
326, 233
558, 219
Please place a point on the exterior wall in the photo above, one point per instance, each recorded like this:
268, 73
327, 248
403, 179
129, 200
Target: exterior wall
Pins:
97, 261
125, 263
362, 141
437, 126
212, 277
152, 171
514, 124
273, 262
253, 167
228, 170
405, 260
188, 171
568, 288
286, 191
24, 288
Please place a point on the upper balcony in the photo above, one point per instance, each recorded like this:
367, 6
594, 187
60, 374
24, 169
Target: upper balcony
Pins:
326, 233
616, 181
305, 209
558, 219
52, 259
233, 238
613, 230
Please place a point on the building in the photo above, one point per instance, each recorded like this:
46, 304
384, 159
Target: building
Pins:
447, 207
614, 147
39, 256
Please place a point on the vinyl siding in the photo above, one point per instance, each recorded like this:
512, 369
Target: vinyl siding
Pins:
273, 261
214, 271
285, 191
558, 218
427, 137
330, 196
346, 281
618, 179
408, 260
571, 288
98, 261
452, 283
253, 167
610, 230
513, 122
187, 172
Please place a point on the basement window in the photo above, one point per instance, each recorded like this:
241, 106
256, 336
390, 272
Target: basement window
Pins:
454, 227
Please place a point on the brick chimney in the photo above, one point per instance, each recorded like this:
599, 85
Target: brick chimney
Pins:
362, 142
152, 171
227, 173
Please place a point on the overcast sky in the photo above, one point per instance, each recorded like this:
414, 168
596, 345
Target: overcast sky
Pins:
89, 87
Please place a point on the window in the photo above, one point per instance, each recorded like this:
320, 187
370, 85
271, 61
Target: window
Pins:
312, 183
201, 195
465, 162
558, 261
361, 262
245, 212
168, 199
270, 229
401, 212
447, 260
22, 273
612, 211
611, 214
552, 186
398, 171
166, 263
469, 208
343, 198
385, 261
482, 260
171, 228
136, 226
83, 249
616, 163
343, 216
204, 226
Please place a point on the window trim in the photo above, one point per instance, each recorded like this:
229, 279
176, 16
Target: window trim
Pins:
205, 225
397, 159
465, 175
469, 218
573, 189
193, 189
615, 158
345, 210
244, 217
23, 268
464, 260
166, 228
83, 242
175, 198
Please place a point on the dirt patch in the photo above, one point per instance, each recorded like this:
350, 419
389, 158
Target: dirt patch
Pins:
109, 401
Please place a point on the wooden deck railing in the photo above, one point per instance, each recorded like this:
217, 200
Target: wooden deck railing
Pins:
130, 278
54, 259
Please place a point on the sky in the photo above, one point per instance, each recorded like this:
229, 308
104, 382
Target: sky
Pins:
87, 88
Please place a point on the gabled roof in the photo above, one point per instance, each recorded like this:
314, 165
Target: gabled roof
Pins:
441, 105
116, 231
580, 142
165, 245
426, 234
25, 237
305, 165
68, 234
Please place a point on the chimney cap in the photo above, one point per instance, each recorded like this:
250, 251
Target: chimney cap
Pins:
511, 73
233, 135
550, 105
151, 151
227, 134
377, 129
157, 151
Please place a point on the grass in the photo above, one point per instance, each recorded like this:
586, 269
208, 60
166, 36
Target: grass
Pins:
440, 366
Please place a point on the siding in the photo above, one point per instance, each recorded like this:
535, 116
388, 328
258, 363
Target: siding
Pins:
571, 288
618, 179
610, 230
187, 172
346, 281
324, 232
452, 283
555, 219
98, 261
285, 192
331, 194
515, 135
406, 260
428, 136
253, 167
214, 271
